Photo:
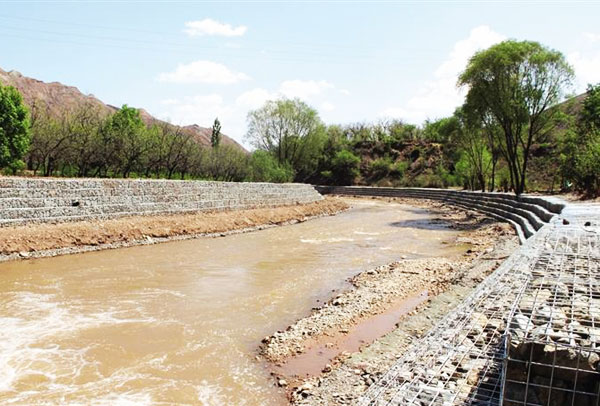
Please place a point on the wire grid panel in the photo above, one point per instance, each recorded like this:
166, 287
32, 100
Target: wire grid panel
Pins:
553, 342
460, 360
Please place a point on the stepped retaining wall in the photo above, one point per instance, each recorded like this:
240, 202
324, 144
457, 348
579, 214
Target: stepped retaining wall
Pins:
526, 214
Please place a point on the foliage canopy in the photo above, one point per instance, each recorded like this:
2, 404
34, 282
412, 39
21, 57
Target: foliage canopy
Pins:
513, 85
14, 128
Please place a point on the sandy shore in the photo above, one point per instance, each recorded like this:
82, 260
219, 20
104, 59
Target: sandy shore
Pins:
334, 354
43, 240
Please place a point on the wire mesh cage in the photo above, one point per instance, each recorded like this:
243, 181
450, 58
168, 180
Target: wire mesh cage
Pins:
553, 341
529, 335
460, 360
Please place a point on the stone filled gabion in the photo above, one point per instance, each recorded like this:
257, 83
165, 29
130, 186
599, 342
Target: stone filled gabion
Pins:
529, 335
28, 200
460, 360
553, 342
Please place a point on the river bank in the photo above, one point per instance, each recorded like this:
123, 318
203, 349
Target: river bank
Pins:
334, 354
46, 240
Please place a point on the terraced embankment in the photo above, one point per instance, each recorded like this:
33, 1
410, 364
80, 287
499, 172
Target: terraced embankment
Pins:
527, 214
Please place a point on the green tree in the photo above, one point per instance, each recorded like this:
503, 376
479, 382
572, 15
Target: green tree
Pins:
129, 134
292, 131
513, 85
580, 158
473, 143
14, 128
84, 124
226, 163
590, 115
215, 137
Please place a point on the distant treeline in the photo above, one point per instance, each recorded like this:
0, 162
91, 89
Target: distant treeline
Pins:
511, 137
88, 142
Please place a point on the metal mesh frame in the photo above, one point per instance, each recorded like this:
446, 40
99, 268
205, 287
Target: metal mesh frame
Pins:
469, 357
460, 359
553, 341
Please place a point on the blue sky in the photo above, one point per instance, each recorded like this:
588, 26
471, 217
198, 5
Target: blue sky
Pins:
190, 62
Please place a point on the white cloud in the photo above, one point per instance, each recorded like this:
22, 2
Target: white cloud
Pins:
169, 102
439, 97
202, 72
202, 110
327, 106
254, 98
592, 37
345, 92
587, 69
303, 89
410, 116
212, 27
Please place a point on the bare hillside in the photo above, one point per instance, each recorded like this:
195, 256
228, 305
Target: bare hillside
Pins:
57, 97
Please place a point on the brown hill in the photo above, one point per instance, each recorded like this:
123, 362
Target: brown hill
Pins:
57, 97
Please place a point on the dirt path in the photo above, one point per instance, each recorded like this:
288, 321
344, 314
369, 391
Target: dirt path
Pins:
40, 240
331, 356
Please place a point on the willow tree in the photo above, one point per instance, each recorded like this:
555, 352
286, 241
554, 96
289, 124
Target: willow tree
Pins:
292, 131
513, 85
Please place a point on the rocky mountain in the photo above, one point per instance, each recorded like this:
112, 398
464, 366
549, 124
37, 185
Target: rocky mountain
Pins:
57, 97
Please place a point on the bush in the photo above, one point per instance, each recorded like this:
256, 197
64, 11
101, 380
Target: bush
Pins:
380, 168
586, 168
428, 179
265, 168
399, 169
345, 167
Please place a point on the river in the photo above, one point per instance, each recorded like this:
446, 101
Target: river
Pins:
180, 322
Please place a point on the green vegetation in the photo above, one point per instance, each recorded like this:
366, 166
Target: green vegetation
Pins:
215, 136
291, 131
580, 158
14, 129
512, 134
513, 85
86, 142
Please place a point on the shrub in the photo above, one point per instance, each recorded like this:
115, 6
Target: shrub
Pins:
345, 167
380, 168
265, 168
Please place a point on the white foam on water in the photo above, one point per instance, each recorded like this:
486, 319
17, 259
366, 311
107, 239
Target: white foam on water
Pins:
123, 399
35, 322
366, 233
326, 240
161, 292
385, 248
210, 395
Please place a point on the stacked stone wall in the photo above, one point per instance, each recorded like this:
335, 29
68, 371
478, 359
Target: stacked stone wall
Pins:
24, 200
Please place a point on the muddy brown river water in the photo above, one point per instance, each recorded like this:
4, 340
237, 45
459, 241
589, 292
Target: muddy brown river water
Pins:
180, 322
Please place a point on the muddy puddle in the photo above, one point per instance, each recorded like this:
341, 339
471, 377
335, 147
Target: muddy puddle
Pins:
323, 352
179, 323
